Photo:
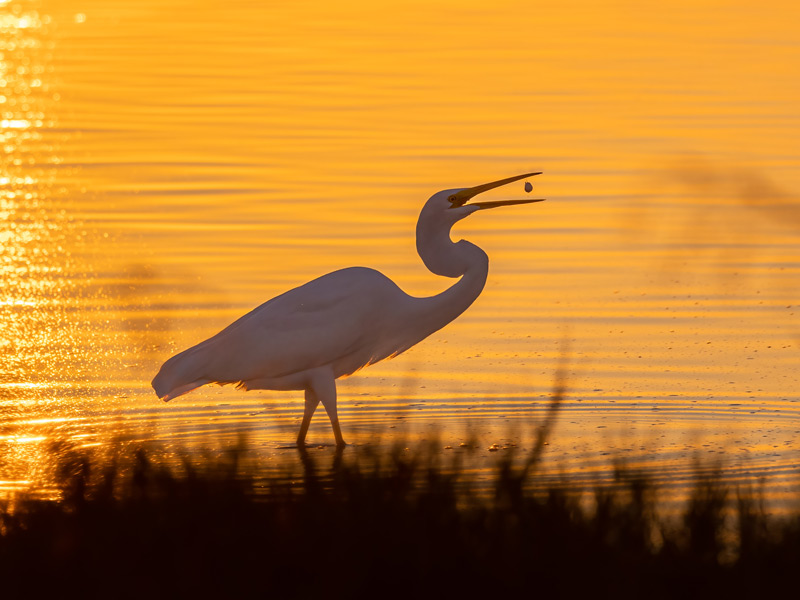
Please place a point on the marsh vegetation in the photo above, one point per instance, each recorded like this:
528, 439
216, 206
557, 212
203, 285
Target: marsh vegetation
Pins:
363, 523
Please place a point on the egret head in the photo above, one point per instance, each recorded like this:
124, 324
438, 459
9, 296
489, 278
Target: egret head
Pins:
444, 209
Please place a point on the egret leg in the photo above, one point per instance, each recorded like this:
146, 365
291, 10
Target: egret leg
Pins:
310, 406
323, 387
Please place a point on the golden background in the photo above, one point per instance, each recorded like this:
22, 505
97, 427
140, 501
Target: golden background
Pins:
169, 165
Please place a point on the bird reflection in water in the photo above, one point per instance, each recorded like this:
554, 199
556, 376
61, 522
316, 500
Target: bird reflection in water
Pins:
341, 322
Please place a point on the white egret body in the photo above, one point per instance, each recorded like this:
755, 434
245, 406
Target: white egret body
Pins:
335, 325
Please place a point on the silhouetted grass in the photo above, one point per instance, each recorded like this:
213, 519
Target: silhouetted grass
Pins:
400, 523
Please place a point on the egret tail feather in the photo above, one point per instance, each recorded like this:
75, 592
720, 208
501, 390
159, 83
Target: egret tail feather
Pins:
183, 389
178, 376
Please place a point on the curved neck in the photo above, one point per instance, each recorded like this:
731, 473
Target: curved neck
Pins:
448, 305
460, 259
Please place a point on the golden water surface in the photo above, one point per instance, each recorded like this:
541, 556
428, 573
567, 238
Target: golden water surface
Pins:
168, 165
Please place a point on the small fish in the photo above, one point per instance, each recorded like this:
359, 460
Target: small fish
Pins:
528, 187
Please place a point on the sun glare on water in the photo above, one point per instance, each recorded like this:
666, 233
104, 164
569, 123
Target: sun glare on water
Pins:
38, 346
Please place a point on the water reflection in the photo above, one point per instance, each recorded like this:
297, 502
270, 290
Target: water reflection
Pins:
159, 180
40, 344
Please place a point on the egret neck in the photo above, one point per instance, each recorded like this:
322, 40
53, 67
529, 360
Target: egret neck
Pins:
444, 257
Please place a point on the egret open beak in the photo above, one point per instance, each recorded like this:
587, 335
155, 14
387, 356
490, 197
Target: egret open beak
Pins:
461, 198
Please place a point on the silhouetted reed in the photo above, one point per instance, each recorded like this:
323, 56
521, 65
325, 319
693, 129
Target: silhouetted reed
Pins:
407, 521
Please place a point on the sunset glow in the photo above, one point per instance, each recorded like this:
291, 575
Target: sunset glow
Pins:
167, 166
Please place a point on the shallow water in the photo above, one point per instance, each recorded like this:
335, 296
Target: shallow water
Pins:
170, 165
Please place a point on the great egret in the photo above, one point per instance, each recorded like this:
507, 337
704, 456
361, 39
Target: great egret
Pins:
335, 325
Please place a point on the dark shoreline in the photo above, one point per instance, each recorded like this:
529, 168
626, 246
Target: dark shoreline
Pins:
402, 523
